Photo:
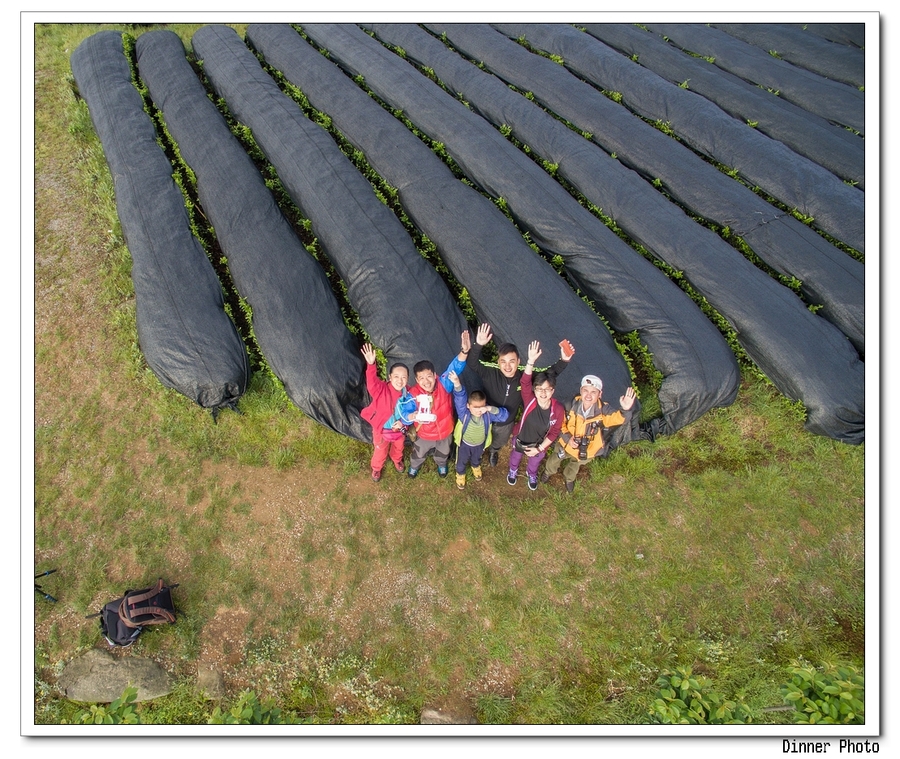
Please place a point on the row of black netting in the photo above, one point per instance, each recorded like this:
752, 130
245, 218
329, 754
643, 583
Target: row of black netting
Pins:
188, 340
824, 142
378, 92
837, 208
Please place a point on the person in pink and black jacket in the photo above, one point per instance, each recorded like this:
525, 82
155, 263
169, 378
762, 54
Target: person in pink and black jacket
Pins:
541, 421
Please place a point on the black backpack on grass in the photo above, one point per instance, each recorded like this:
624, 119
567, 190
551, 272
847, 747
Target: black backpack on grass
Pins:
123, 619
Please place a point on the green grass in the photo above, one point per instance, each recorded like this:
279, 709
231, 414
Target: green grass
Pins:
734, 547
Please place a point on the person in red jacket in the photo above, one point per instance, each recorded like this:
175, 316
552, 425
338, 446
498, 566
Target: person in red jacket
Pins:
384, 394
434, 417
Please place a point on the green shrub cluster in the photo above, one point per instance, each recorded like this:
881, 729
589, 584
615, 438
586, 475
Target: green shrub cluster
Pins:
119, 712
830, 695
684, 698
246, 710
249, 710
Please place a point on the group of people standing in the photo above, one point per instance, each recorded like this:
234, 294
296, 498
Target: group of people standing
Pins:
437, 411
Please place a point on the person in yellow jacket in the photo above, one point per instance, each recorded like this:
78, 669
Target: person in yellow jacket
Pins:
582, 437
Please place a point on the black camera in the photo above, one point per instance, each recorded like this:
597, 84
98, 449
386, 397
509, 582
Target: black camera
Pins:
582, 447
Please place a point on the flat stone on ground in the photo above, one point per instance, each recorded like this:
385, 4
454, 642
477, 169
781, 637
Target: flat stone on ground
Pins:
99, 678
210, 682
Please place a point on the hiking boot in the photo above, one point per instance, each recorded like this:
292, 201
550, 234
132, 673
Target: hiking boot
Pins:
399, 467
460, 481
376, 475
442, 471
476, 473
532, 482
412, 472
493, 457
512, 476
570, 486
545, 477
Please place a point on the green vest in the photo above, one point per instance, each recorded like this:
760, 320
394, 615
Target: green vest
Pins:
460, 429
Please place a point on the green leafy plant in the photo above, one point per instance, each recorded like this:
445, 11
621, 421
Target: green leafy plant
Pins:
119, 712
829, 695
687, 699
249, 710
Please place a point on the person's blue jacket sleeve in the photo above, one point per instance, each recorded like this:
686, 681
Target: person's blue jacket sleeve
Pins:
406, 405
460, 399
501, 416
456, 366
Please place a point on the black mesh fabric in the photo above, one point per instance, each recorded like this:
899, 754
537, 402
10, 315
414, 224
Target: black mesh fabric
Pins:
628, 290
832, 100
296, 318
829, 58
186, 337
512, 288
837, 208
402, 302
828, 276
830, 146
845, 34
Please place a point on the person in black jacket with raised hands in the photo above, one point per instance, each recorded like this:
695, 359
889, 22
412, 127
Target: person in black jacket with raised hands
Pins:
502, 383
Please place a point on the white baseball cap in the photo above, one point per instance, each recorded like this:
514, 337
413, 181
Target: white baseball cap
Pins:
592, 380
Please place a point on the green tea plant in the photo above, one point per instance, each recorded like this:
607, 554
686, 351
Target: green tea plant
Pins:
829, 695
687, 699
119, 712
249, 710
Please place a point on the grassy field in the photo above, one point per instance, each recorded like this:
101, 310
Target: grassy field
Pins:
734, 547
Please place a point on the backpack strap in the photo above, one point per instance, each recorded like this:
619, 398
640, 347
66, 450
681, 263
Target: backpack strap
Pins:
123, 615
144, 610
146, 595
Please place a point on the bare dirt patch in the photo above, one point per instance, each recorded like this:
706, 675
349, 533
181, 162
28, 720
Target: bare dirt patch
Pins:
224, 638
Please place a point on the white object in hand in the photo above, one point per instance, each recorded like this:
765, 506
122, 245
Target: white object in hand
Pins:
425, 414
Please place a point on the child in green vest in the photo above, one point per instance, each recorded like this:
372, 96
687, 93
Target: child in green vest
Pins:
473, 428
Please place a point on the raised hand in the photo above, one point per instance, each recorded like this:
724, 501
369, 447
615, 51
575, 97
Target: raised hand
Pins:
484, 334
627, 400
368, 353
465, 340
534, 352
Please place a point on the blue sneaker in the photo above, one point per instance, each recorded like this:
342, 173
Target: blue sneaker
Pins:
412, 472
532, 482
512, 476
442, 471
